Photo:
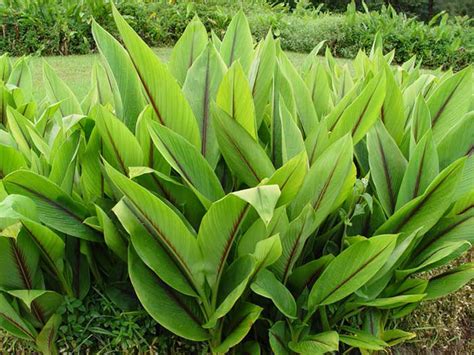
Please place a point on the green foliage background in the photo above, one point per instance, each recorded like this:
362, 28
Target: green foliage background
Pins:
51, 27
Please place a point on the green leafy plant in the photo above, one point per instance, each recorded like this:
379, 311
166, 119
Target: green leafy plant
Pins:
241, 201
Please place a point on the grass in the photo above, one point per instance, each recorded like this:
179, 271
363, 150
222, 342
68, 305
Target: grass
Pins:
75, 70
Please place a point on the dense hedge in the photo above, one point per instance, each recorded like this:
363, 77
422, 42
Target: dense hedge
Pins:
51, 28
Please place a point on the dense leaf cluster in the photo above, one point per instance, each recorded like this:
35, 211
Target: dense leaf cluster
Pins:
241, 201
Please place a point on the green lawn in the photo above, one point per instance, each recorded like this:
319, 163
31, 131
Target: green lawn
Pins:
75, 70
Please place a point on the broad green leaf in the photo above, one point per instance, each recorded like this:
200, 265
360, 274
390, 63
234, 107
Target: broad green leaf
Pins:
350, 270
402, 251
11, 321
240, 323
316, 344
421, 119
188, 48
50, 245
167, 238
261, 74
267, 285
15, 207
58, 91
259, 231
21, 77
216, 40
362, 340
422, 169
80, 275
41, 303
262, 198
267, 251
391, 302
419, 86
387, 166
162, 91
363, 112
188, 162
281, 89
112, 237
200, 89
293, 242
178, 196
237, 43
92, 179
121, 148
279, 336
105, 87
20, 257
244, 156
425, 210
221, 223
18, 126
45, 341
175, 312
234, 282
335, 114
292, 139
235, 98
396, 336
122, 69
10, 160
324, 180
449, 281
309, 60
434, 256
318, 84
316, 142
290, 177
392, 113
450, 100
55, 208
452, 228
305, 275
304, 104
457, 142
63, 162
151, 155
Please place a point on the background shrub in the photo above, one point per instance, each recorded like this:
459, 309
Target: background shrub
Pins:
52, 27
